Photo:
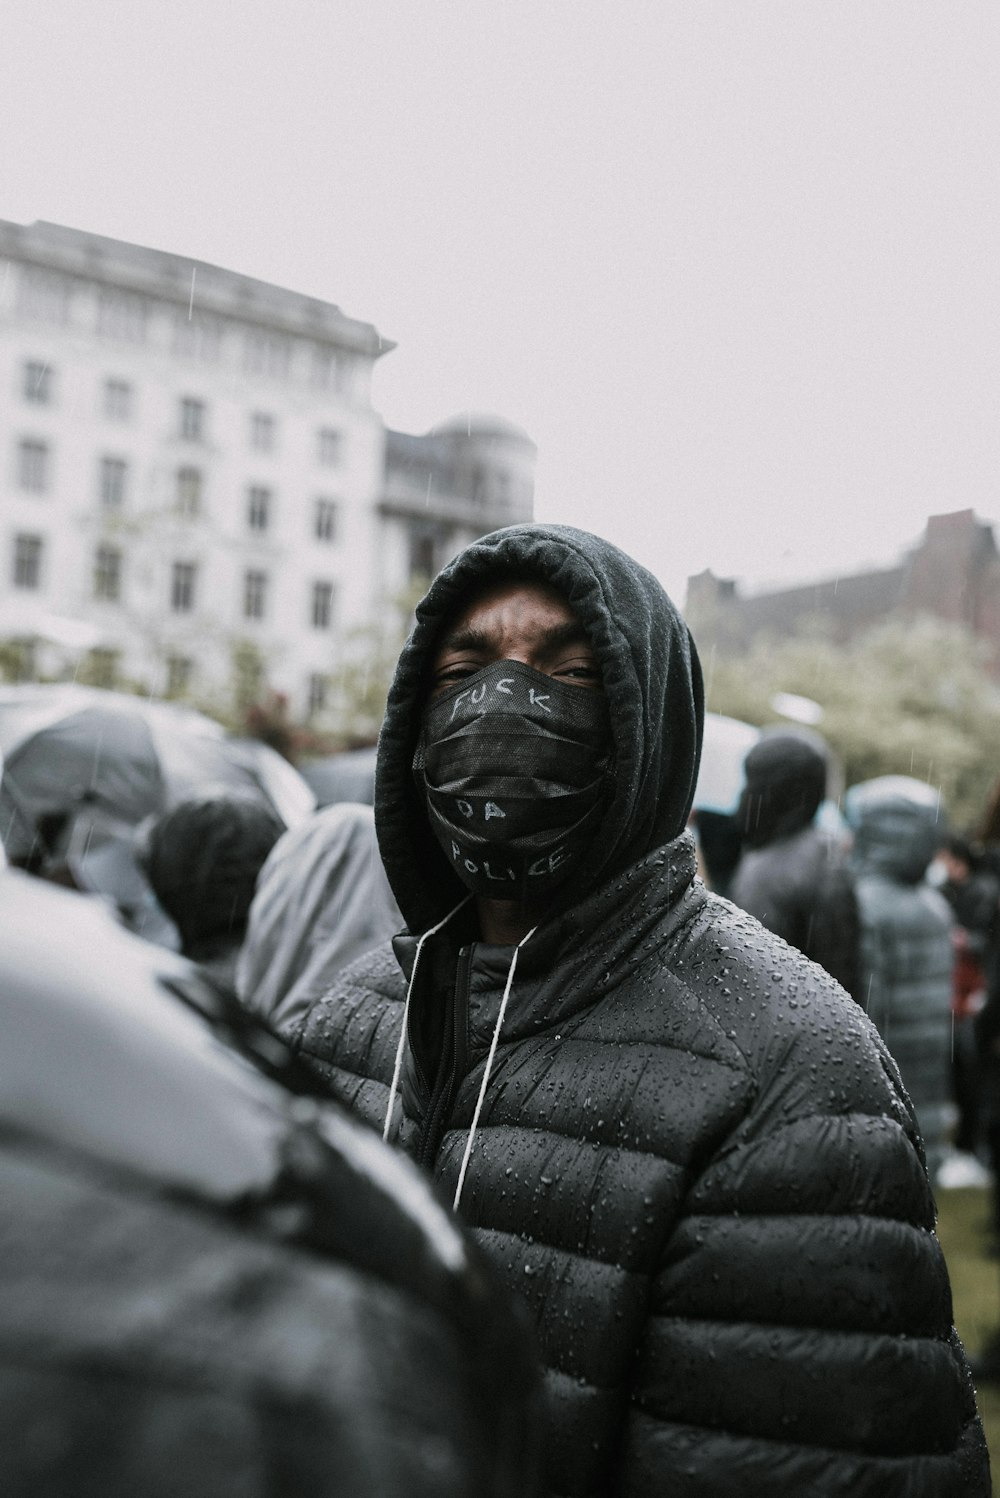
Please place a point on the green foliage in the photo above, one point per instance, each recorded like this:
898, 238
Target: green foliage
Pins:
908, 697
247, 676
360, 682
15, 661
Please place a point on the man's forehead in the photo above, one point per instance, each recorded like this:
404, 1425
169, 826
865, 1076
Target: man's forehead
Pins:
527, 599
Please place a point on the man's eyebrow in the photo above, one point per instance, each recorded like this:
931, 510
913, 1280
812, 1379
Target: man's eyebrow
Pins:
571, 632
465, 639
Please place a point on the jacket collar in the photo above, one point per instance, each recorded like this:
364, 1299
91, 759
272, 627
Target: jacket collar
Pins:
581, 953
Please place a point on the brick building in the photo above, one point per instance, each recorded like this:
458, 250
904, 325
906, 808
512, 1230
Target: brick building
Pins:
953, 574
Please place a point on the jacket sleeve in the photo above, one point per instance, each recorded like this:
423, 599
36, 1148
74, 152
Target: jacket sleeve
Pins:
348, 1038
799, 1337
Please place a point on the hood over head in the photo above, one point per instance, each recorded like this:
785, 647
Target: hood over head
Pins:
652, 682
785, 784
897, 826
202, 859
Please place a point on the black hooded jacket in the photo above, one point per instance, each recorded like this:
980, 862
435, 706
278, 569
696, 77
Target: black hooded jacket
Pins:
792, 876
694, 1157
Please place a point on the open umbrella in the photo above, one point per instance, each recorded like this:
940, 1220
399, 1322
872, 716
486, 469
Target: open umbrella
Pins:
726, 745
82, 768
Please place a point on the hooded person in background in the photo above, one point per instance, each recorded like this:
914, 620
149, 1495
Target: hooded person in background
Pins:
792, 875
322, 899
202, 858
906, 945
675, 1137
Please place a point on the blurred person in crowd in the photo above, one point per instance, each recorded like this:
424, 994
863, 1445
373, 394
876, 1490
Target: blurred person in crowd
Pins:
679, 1140
212, 1285
202, 858
987, 1033
792, 875
717, 841
322, 900
973, 892
906, 947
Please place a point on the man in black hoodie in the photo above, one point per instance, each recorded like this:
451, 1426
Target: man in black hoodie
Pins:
793, 875
675, 1136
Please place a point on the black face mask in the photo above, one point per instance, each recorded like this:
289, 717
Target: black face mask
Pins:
516, 770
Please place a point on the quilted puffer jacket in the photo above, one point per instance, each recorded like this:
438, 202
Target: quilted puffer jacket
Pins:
694, 1158
907, 957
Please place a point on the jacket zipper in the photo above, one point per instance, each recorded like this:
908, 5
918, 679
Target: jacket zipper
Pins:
453, 1063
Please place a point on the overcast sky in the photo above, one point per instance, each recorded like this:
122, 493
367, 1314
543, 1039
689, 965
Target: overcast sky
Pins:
733, 266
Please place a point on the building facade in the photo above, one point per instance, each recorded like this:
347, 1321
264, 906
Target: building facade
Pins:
193, 474
953, 574
442, 490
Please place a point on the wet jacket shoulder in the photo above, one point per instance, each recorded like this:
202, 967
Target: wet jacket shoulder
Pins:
694, 1160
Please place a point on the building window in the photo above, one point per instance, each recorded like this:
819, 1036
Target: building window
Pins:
180, 670
254, 595
319, 691
327, 369
33, 465
37, 383
266, 354
322, 605
27, 561
325, 520
117, 400
43, 295
192, 419
102, 664
113, 475
189, 492
182, 585
108, 573
121, 314
262, 430
258, 508
329, 446
198, 336
423, 554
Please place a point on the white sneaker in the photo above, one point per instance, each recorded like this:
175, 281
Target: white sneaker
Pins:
960, 1169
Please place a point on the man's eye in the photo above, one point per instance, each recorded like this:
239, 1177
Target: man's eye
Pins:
449, 674
580, 676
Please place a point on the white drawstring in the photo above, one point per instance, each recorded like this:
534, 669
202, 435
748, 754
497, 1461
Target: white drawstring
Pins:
406, 1012
489, 1068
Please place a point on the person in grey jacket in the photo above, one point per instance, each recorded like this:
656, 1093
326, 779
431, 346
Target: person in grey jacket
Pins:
679, 1141
792, 875
906, 946
321, 901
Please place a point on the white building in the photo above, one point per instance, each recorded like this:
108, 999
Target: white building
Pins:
190, 462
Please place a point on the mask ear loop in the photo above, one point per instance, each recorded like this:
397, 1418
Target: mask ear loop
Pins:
397, 1068
488, 1069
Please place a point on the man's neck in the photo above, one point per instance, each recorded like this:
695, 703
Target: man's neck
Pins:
504, 923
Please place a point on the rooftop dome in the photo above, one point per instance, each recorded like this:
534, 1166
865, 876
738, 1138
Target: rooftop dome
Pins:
473, 424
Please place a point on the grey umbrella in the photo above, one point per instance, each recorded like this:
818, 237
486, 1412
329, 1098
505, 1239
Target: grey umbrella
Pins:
83, 768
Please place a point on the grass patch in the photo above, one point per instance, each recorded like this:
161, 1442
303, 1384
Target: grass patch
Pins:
963, 1227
